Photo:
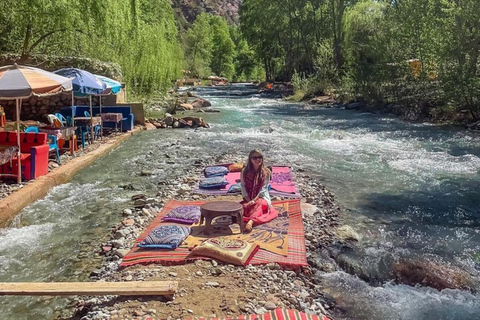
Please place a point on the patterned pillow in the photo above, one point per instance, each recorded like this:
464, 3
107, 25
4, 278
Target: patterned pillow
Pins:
165, 237
235, 188
213, 182
236, 167
215, 171
226, 249
184, 214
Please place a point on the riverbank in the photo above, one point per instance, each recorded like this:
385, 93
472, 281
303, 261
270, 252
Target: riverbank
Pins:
463, 118
231, 290
15, 197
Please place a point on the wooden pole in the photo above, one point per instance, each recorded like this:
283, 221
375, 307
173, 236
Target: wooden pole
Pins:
131, 288
91, 120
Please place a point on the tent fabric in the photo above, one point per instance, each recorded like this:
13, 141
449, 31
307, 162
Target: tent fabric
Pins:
23, 81
84, 82
112, 85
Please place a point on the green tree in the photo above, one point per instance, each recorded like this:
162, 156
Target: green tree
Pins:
199, 46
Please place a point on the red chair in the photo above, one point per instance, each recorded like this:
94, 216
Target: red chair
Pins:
34, 154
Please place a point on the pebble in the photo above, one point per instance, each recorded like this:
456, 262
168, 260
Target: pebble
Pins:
173, 274
212, 284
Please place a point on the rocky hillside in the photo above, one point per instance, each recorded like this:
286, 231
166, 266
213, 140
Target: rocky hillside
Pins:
187, 10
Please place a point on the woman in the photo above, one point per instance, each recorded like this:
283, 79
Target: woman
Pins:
257, 206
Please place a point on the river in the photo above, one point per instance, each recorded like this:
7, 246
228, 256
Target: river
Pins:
410, 190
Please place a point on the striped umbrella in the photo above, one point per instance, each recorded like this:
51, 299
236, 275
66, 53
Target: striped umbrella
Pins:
21, 82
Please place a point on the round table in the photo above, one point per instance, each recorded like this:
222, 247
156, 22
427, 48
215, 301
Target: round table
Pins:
213, 209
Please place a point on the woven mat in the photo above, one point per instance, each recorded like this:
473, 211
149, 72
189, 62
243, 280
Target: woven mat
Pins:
295, 257
277, 314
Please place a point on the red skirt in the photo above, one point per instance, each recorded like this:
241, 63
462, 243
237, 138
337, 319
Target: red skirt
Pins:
259, 212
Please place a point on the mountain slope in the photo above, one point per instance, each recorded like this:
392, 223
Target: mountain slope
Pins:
187, 10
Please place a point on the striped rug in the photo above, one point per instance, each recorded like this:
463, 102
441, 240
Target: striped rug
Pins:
295, 258
277, 314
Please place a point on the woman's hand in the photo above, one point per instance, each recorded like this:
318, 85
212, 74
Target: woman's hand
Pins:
251, 203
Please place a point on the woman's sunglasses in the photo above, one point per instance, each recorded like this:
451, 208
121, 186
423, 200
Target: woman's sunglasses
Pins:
257, 158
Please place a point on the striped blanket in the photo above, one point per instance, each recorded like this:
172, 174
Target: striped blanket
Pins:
277, 314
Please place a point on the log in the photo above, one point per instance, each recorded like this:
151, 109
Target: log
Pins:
131, 288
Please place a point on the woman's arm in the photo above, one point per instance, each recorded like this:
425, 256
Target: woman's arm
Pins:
264, 189
244, 191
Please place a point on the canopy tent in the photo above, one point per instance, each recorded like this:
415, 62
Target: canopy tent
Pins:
21, 82
84, 84
113, 87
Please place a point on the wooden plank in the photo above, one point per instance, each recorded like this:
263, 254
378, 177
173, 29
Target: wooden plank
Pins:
131, 288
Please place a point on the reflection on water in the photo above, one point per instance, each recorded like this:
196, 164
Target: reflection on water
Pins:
411, 189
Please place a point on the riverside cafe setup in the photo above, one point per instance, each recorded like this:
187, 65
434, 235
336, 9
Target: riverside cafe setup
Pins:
21, 82
86, 84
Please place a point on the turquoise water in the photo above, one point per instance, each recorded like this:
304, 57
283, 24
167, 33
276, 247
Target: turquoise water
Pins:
411, 190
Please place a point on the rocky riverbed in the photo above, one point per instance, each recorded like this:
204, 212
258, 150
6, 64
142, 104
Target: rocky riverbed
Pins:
231, 290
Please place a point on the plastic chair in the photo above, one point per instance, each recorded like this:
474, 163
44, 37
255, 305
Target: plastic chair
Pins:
32, 129
62, 119
96, 129
84, 133
54, 121
53, 145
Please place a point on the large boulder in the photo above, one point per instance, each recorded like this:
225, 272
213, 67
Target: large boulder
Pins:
186, 106
347, 233
168, 120
433, 274
201, 103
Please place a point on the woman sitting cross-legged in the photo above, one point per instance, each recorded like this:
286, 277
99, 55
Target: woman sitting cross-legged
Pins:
257, 206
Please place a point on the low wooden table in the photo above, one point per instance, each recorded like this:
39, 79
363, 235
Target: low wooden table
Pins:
213, 209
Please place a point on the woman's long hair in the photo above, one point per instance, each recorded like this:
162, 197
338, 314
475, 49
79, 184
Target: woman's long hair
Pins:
261, 174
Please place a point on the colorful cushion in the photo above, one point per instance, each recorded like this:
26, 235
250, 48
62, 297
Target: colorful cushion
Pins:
165, 237
183, 214
215, 171
213, 182
236, 167
226, 249
235, 188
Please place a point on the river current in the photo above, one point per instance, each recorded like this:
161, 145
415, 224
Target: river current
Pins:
410, 190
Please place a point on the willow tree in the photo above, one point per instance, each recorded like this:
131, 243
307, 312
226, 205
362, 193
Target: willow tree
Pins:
140, 35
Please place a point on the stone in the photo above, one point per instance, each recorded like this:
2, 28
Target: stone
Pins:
168, 120
433, 274
309, 210
129, 277
173, 274
146, 173
117, 243
121, 252
346, 232
200, 103
121, 233
270, 305
186, 106
212, 284
128, 222
127, 212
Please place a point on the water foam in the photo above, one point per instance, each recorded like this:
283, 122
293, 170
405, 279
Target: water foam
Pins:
392, 301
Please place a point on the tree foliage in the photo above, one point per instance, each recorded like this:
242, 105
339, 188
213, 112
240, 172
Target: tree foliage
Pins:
214, 47
418, 53
140, 35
